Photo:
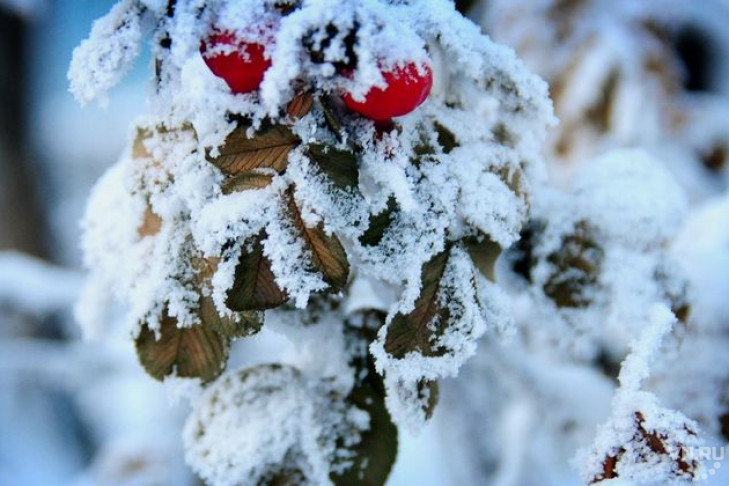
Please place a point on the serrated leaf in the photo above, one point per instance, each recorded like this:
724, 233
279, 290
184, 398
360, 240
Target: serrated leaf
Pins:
269, 149
246, 324
378, 224
193, 352
254, 286
327, 253
414, 331
240, 399
340, 166
246, 181
300, 106
484, 255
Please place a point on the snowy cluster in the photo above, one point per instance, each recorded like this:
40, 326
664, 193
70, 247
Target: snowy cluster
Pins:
595, 256
274, 422
277, 207
563, 267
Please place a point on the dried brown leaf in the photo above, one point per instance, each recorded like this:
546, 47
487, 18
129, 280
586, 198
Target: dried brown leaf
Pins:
269, 148
246, 181
254, 286
413, 331
327, 253
151, 223
192, 352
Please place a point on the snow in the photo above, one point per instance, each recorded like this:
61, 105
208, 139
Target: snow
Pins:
527, 375
106, 56
631, 198
230, 440
442, 199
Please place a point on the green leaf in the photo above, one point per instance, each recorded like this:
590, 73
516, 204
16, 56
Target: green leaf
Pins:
254, 286
415, 331
378, 224
376, 452
327, 253
269, 149
484, 255
340, 166
192, 352
373, 457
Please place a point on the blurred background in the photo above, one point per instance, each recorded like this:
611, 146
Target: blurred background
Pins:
70, 412
80, 413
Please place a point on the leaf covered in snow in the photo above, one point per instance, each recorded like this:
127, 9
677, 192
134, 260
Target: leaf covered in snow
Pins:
254, 287
317, 434
268, 148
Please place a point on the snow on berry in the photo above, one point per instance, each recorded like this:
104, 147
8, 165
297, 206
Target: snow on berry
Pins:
405, 88
242, 65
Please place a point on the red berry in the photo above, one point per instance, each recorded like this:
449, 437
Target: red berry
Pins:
242, 68
406, 89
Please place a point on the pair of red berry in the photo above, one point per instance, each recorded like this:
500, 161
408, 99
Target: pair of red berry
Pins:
242, 65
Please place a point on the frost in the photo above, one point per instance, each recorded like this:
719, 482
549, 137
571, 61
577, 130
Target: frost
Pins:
281, 205
622, 260
631, 198
643, 441
101, 61
230, 440
556, 287
597, 252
